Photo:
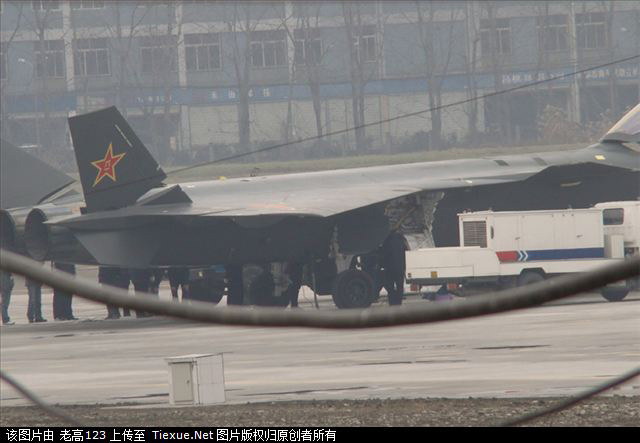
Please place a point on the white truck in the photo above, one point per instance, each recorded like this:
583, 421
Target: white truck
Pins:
500, 250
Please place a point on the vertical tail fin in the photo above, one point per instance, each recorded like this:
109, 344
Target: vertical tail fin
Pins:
115, 167
627, 129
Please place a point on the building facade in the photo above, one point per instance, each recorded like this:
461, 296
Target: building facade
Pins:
217, 77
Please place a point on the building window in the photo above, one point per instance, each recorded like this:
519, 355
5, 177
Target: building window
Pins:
41, 5
87, 4
365, 44
498, 39
308, 46
49, 58
552, 32
3, 61
202, 52
268, 48
591, 30
91, 57
158, 53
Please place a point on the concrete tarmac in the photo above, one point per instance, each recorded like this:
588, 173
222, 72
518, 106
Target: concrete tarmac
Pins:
553, 350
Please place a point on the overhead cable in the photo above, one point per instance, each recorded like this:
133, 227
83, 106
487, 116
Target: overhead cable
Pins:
517, 298
365, 125
411, 114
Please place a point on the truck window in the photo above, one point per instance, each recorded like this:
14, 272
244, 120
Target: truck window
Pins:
475, 233
613, 216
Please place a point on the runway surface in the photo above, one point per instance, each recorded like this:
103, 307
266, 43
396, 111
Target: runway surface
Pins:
553, 350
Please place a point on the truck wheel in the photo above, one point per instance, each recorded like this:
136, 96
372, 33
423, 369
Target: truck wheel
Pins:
353, 289
614, 294
529, 278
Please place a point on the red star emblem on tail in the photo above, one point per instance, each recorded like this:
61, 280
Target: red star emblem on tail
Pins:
106, 166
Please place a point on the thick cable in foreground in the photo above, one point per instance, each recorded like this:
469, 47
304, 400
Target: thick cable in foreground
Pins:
518, 298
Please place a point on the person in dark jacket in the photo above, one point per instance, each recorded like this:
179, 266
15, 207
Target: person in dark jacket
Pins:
294, 271
262, 287
34, 310
141, 279
393, 260
122, 281
179, 277
108, 275
235, 286
157, 274
6, 286
62, 299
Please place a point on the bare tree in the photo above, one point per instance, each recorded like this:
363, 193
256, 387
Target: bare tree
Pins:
312, 50
240, 25
548, 37
470, 68
493, 42
288, 128
435, 69
124, 35
42, 17
354, 27
4, 115
158, 58
608, 9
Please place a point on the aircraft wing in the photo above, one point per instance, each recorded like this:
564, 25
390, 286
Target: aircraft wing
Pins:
26, 180
319, 194
329, 193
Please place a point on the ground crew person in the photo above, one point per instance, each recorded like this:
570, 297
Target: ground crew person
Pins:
61, 299
235, 286
141, 279
393, 260
109, 276
6, 286
179, 277
122, 281
34, 309
294, 270
156, 278
262, 288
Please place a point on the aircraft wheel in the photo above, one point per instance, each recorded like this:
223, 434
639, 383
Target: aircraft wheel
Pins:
614, 294
529, 278
353, 289
377, 275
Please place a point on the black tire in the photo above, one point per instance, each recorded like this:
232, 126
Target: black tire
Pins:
353, 289
376, 274
614, 294
530, 278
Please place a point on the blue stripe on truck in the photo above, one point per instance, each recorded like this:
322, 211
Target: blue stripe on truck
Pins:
560, 254
549, 254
